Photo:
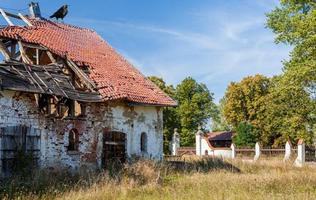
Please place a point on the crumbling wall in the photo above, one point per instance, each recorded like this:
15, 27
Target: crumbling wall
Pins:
18, 108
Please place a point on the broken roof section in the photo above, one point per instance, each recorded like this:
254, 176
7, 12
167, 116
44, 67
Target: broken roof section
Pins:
107, 72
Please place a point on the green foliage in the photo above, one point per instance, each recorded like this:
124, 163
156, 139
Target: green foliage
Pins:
294, 22
291, 113
219, 122
279, 109
246, 136
290, 110
244, 100
195, 107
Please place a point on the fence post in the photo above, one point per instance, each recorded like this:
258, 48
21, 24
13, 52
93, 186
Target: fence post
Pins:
175, 143
233, 147
288, 151
300, 160
257, 151
198, 141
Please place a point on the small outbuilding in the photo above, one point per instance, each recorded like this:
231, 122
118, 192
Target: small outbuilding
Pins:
213, 144
220, 138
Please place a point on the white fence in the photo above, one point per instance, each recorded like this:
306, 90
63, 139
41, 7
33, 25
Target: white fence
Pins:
203, 148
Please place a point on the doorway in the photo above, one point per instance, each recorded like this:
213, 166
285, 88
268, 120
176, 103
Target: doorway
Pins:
114, 147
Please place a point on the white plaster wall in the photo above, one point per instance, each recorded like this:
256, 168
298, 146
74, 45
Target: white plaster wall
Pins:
133, 121
20, 109
225, 153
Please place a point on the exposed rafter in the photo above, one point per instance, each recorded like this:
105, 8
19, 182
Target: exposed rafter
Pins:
5, 52
25, 66
5, 16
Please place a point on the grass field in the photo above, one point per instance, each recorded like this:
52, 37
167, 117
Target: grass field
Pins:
207, 179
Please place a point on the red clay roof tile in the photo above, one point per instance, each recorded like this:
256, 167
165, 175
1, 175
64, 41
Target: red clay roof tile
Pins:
115, 77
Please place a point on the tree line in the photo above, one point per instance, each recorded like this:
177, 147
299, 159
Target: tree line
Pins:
270, 110
274, 110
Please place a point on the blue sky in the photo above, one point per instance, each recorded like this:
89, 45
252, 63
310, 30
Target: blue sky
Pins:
215, 42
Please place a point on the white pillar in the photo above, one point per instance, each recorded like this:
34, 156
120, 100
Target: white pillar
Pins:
288, 151
257, 151
175, 143
233, 147
300, 160
198, 141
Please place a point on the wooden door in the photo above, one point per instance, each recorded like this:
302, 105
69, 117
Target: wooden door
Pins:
114, 147
20, 146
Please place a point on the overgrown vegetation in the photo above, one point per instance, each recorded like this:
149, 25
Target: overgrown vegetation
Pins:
198, 179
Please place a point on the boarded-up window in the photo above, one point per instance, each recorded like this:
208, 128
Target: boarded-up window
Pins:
143, 142
73, 140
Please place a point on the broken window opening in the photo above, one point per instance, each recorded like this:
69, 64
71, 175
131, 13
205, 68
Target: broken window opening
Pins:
70, 108
143, 142
73, 139
80, 109
44, 104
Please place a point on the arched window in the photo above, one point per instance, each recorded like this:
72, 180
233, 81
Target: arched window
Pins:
143, 142
206, 152
73, 140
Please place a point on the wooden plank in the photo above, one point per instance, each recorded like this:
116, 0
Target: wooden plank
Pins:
83, 77
18, 76
51, 57
25, 58
33, 46
5, 16
12, 15
37, 57
4, 51
25, 20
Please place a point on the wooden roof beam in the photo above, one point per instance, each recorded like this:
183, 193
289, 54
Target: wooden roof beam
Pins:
5, 51
25, 58
5, 16
82, 76
19, 16
25, 20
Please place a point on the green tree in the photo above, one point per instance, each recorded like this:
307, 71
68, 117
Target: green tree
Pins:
246, 135
219, 122
244, 101
291, 114
171, 119
195, 108
294, 23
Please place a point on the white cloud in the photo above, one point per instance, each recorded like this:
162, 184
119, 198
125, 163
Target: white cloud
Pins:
231, 46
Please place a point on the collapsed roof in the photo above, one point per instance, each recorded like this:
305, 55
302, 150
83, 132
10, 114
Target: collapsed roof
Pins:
108, 75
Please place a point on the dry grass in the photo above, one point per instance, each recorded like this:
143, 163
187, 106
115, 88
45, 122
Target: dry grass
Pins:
208, 179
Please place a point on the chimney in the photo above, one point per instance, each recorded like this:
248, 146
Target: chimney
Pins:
35, 10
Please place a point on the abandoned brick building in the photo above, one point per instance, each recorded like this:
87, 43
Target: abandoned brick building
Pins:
71, 99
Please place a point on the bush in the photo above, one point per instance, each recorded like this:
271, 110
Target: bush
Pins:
246, 136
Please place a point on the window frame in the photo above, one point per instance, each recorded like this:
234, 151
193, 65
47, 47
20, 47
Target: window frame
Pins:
73, 144
144, 142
